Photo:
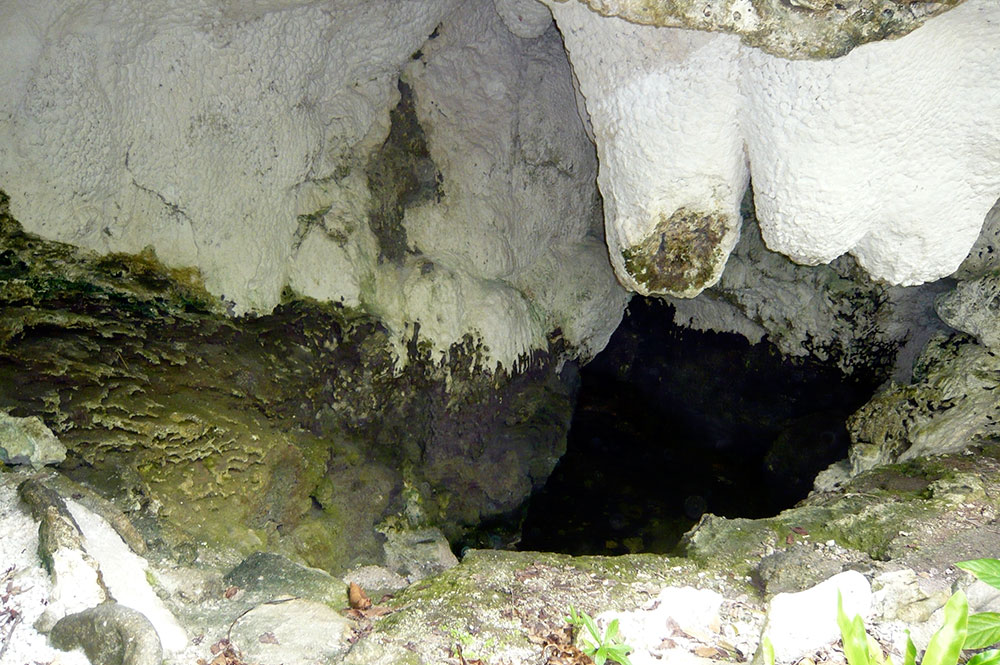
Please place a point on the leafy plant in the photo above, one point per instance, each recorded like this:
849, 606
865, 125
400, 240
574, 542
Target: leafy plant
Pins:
983, 627
603, 648
945, 645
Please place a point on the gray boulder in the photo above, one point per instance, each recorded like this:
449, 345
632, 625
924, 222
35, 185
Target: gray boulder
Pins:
28, 441
110, 634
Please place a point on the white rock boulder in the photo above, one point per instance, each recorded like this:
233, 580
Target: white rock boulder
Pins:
799, 623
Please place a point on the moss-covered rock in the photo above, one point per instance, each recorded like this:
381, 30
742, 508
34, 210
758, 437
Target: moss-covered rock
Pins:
949, 406
899, 513
496, 605
295, 431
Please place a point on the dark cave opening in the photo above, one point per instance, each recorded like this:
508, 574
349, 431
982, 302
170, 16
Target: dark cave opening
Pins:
672, 422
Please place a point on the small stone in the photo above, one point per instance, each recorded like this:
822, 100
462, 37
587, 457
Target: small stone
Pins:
110, 634
28, 441
294, 632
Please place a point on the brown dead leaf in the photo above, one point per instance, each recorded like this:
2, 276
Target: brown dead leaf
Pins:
231, 591
789, 539
268, 638
707, 652
357, 598
799, 530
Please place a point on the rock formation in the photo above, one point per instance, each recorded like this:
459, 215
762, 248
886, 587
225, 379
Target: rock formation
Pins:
883, 153
418, 160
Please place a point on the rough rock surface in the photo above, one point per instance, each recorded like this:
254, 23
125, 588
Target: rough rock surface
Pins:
293, 632
949, 406
901, 527
110, 634
838, 150
275, 144
833, 313
798, 29
295, 430
28, 441
972, 305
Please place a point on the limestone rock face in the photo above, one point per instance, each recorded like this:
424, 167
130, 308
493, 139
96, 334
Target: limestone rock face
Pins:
883, 153
293, 431
272, 144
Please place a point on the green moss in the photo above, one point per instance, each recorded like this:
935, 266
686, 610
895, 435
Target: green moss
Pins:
400, 174
681, 255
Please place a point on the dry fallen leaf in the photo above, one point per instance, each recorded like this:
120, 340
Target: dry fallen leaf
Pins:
231, 591
268, 638
357, 598
707, 652
799, 530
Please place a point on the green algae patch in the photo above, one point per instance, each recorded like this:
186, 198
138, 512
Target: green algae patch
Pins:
494, 602
400, 174
681, 256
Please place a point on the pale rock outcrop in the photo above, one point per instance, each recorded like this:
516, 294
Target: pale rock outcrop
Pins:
251, 142
884, 153
195, 127
799, 623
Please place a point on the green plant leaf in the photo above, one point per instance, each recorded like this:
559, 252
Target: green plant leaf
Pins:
611, 634
988, 570
875, 654
767, 648
991, 657
946, 643
984, 630
852, 632
910, 657
592, 628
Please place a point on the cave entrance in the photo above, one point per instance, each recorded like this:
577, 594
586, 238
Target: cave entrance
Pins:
672, 423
